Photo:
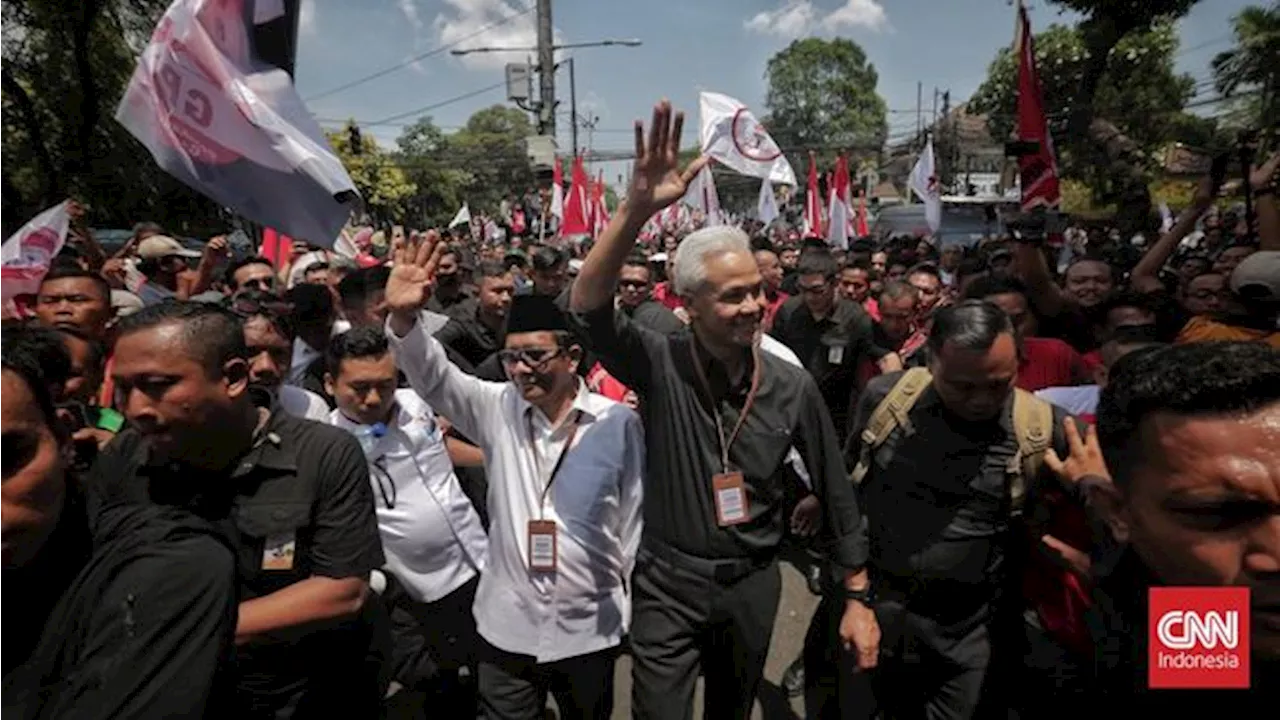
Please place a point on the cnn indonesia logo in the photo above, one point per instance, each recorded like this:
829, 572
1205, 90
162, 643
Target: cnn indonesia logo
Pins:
1198, 637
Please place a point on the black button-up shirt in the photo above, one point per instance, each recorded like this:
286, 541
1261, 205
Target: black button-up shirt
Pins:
467, 337
831, 348
303, 488
683, 448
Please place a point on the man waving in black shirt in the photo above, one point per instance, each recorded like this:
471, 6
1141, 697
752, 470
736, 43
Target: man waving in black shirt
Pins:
721, 418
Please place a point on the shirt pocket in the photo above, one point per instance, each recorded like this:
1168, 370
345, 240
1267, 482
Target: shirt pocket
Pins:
275, 543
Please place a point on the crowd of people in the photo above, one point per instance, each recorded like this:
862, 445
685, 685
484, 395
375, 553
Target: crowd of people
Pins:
472, 473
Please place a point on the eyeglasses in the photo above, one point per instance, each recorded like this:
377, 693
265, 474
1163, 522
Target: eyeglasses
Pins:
533, 357
632, 284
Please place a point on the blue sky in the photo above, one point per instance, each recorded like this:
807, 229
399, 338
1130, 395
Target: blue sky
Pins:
689, 45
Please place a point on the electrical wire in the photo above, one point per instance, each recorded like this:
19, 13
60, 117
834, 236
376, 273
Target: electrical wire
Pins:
442, 103
432, 52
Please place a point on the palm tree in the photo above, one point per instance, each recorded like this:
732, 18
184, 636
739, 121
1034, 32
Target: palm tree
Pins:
1250, 71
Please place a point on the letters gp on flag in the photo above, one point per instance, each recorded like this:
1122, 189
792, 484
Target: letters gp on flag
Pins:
1198, 637
232, 126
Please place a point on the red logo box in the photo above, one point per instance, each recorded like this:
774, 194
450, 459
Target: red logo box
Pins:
1198, 637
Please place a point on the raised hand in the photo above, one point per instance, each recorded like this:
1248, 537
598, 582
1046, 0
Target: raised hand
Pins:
657, 180
413, 275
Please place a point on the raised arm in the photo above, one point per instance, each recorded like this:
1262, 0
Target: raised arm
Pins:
656, 183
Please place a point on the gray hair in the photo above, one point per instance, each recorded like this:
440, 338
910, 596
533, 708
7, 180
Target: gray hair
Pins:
690, 271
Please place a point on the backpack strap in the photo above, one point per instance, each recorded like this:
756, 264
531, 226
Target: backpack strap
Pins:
1033, 425
892, 413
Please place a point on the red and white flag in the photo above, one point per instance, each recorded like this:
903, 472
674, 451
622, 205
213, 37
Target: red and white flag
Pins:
766, 204
812, 202
1038, 172
599, 210
28, 253
861, 228
701, 195
840, 225
220, 119
577, 206
557, 191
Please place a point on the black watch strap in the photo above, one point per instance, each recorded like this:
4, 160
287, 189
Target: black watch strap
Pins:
864, 596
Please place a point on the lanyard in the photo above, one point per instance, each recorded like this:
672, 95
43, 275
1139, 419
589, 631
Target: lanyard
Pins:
726, 443
537, 456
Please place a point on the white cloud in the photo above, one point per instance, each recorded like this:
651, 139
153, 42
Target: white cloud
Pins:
799, 18
409, 9
867, 14
307, 17
794, 19
470, 19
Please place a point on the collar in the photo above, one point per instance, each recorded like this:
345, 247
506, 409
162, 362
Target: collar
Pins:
269, 449
583, 406
930, 399
717, 374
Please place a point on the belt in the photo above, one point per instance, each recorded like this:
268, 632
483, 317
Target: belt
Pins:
724, 571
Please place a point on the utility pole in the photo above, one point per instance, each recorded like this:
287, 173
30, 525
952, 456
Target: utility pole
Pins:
573, 107
919, 111
546, 72
952, 150
934, 117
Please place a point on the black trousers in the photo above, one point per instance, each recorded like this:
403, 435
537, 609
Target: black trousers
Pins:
515, 687
683, 619
927, 671
431, 642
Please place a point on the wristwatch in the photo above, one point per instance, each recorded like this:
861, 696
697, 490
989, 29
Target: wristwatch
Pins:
865, 596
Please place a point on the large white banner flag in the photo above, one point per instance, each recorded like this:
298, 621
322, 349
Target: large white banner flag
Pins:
232, 126
463, 216
731, 134
924, 183
28, 253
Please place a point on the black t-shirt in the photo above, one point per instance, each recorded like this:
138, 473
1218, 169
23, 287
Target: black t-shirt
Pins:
832, 349
297, 504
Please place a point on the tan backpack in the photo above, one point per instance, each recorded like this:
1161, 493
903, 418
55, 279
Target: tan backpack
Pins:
1032, 422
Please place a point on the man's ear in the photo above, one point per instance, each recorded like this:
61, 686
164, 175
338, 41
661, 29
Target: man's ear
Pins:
236, 373
575, 354
329, 384
1112, 506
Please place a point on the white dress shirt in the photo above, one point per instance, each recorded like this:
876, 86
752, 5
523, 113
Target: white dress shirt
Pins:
431, 534
302, 403
582, 606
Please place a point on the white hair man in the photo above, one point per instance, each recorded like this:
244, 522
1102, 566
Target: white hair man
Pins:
720, 420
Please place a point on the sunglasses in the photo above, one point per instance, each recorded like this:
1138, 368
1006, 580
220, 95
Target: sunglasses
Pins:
246, 306
532, 357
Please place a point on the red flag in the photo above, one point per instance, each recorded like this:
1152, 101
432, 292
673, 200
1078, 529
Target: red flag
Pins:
812, 204
839, 213
863, 229
1039, 172
576, 206
599, 211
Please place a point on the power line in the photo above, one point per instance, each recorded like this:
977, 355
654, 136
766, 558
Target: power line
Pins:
432, 52
442, 103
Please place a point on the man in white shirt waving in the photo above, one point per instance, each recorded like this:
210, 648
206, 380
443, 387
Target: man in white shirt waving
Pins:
565, 471
431, 534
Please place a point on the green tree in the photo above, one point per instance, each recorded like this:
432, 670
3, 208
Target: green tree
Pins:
65, 68
822, 96
490, 150
423, 155
382, 182
1249, 74
1112, 97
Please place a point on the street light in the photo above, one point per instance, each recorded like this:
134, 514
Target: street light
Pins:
573, 91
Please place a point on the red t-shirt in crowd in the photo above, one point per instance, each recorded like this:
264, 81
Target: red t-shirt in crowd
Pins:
664, 293
1048, 362
771, 309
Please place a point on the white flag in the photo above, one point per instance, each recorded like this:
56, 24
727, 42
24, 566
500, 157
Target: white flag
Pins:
701, 194
28, 253
463, 216
924, 183
1166, 217
731, 134
767, 205
231, 126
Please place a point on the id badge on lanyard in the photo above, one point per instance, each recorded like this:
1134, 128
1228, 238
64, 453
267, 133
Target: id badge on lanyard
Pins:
729, 487
541, 533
